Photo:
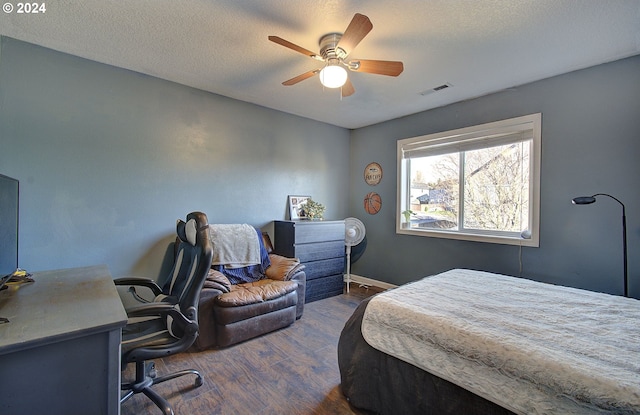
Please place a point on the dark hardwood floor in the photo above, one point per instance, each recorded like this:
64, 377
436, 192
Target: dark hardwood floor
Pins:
290, 371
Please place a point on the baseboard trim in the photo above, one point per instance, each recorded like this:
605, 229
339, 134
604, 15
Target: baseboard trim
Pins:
359, 279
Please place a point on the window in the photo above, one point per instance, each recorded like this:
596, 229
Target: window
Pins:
480, 183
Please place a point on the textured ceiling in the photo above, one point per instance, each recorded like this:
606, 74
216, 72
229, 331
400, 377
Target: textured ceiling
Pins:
221, 46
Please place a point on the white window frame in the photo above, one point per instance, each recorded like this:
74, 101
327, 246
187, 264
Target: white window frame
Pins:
528, 127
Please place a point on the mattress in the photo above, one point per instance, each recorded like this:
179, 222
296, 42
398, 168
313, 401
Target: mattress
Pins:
382, 384
530, 347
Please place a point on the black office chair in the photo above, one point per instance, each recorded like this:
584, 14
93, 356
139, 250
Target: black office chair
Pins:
169, 323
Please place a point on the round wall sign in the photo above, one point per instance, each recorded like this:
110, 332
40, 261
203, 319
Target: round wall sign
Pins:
373, 174
372, 203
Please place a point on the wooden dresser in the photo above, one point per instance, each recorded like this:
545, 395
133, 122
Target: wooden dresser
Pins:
320, 247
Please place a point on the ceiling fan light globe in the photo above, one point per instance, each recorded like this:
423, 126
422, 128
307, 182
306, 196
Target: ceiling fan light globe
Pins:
333, 76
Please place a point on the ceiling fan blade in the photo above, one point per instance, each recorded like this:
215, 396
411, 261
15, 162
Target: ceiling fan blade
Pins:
359, 27
300, 78
347, 88
293, 46
389, 68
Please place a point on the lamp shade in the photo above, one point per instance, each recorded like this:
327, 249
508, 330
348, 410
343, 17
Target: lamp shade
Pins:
333, 76
583, 200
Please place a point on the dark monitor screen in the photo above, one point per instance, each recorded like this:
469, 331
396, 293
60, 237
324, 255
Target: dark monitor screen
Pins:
9, 195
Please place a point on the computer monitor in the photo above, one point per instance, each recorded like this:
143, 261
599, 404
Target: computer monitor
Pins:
9, 203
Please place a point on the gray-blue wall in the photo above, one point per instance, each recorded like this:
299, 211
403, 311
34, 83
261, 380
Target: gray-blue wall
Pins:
108, 159
590, 144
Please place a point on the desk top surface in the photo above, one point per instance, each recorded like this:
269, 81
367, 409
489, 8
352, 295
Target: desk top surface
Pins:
59, 305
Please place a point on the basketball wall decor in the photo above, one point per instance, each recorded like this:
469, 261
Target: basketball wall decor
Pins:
372, 174
372, 203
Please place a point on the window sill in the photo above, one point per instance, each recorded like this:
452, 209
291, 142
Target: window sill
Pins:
474, 237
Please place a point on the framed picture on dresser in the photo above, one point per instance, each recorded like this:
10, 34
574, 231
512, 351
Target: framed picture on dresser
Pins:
295, 206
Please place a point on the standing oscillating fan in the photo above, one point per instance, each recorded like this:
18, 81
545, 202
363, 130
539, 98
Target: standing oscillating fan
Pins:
354, 233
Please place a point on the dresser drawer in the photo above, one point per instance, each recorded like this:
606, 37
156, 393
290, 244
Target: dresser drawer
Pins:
319, 250
317, 269
303, 232
324, 287
309, 232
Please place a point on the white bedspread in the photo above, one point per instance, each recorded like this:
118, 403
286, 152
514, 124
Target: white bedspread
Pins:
530, 347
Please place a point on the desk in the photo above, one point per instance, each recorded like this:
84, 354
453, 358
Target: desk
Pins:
60, 352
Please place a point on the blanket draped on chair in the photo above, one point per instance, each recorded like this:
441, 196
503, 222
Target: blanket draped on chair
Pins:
235, 246
238, 252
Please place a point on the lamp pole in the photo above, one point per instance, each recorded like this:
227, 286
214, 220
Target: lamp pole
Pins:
587, 200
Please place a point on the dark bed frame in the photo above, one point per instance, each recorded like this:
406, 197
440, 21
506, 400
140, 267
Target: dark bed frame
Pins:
380, 383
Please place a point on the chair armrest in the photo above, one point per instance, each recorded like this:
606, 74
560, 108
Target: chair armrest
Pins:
157, 310
140, 282
217, 281
282, 268
182, 326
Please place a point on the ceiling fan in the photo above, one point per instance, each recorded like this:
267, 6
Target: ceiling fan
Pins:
334, 49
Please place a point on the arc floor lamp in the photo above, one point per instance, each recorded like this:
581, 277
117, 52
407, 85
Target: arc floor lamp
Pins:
587, 200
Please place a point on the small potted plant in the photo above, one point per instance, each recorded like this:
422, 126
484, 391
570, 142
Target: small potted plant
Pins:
407, 217
313, 210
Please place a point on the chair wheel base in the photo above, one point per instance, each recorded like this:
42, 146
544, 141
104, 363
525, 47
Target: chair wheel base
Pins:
150, 370
147, 376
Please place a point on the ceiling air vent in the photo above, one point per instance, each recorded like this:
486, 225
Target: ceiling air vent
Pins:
436, 89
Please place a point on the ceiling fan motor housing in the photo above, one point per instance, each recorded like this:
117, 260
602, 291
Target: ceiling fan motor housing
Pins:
329, 49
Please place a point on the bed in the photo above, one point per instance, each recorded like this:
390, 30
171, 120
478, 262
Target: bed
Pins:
472, 342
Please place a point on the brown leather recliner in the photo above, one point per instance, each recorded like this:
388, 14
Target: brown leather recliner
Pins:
232, 313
